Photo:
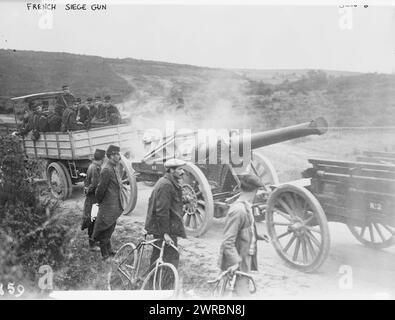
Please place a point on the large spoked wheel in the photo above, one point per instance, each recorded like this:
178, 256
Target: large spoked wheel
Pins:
59, 180
163, 277
198, 209
298, 227
129, 186
263, 168
124, 267
373, 234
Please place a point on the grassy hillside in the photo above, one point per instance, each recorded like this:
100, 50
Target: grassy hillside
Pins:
206, 97
25, 72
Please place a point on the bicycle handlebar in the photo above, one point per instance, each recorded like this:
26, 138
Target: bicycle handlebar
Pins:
234, 273
164, 243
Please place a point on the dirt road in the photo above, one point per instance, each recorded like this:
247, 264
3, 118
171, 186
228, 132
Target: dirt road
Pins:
351, 270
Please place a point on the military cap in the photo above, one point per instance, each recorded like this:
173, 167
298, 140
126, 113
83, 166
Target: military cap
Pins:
112, 149
78, 100
174, 163
66, 88
99, 154
107, 98
97, 97
250, 182
89, 99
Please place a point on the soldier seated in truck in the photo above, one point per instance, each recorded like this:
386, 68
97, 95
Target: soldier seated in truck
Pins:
92, 108
97, 112
83, 114
112, 115
107, 114
69, 119
54, 118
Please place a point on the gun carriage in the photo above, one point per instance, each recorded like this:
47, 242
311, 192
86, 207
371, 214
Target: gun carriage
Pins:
209, 188
358, 194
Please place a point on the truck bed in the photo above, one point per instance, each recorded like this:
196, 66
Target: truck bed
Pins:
78, 145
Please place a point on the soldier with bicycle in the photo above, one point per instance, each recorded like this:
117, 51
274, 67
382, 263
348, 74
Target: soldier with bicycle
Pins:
165, 208
239, 247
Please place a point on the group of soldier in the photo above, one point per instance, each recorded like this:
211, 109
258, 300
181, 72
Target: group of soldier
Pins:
164, 218
76, 116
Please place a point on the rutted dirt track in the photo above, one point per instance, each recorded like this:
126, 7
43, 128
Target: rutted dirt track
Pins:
372, 272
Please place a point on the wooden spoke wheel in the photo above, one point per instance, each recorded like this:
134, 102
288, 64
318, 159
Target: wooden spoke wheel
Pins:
198, 209
59, 180
298, 227
373, 234
263, 168
129, 186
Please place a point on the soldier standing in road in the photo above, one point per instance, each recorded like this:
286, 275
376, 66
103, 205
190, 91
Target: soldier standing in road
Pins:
108, 195
238, 249
91, 182
165, 210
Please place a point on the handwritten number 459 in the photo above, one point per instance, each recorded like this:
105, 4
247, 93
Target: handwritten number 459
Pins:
17, 292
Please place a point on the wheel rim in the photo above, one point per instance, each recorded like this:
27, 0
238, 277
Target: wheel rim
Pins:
58, 181
129, 186
298, 227
56, 184
373, 234
262, 167
163, 277
198, 205
123, 270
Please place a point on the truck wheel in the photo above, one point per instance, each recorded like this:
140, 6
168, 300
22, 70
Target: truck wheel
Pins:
59, 180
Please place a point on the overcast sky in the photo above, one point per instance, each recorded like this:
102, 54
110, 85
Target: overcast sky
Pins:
260, 37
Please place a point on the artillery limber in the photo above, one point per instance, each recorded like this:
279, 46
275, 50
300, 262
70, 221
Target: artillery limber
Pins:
209, 188
358, 194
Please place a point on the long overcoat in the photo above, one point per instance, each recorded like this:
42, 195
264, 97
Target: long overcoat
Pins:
239, 238
108, 195
91, 182
165, 208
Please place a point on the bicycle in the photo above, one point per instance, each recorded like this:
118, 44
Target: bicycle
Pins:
228, 278
128, 260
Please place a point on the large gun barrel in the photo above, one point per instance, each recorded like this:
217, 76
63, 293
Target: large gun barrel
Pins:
318, 126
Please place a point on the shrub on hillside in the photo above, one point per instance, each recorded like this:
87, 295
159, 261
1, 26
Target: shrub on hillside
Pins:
30, 235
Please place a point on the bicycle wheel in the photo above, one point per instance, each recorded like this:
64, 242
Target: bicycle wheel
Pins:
123, 268
163, 277
220, 287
